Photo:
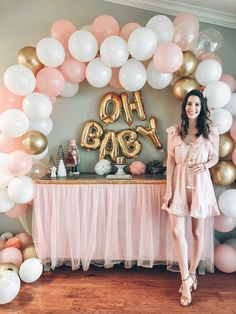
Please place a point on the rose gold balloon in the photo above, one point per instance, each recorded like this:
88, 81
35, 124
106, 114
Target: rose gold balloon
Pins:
27, 56
189, 64
226, 145
34, 142
224, 173
183, 86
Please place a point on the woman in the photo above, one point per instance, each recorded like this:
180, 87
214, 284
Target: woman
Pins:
195, 144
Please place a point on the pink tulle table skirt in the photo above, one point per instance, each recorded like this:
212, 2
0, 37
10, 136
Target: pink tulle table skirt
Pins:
104, 224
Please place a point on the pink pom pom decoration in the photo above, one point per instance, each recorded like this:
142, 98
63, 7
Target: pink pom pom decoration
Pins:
137, 168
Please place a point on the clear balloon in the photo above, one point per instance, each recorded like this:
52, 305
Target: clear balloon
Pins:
185, 35
38, 170
209, 41
186, 18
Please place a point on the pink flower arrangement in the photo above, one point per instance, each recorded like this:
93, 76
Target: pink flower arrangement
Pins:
137, 168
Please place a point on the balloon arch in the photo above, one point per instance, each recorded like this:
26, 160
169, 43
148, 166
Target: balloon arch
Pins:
161, 53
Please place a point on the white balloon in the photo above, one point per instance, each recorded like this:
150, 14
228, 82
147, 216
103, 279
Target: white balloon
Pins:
19, 79
132, 75
40, 156
218, 94
5, 174
14, 122
9, 286
226, 203
142, 43
163, 28
231, 242
20, 189
5, 202
157, 79
30, 270
37, 106
114, 51
98, 74
222, 119
231, 105
208, 71
44, 126
50, 52
83, 46
70, 89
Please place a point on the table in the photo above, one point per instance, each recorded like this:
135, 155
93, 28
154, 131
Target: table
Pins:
90, 219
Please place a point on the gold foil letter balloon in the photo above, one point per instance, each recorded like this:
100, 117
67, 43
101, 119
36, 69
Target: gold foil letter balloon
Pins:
151, 132
189, 64
91, 135
184, 85
129, 144
27, 56
226, 145
34, 142
109, 146
110, 99
224, 173
136, 105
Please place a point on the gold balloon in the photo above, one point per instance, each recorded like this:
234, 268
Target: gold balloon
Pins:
224, 173
136, 105
226, 146
27, 56
34, 142
151, 132
189, 64
9, 266
29, 252
114, 99
109, 146
183, 86
91, 135
129, 144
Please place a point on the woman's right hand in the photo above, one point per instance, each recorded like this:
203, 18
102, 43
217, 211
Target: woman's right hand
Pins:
168, 197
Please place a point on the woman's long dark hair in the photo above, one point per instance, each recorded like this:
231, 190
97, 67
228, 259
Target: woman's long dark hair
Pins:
203, 121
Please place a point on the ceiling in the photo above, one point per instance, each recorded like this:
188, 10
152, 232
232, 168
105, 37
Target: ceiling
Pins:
218, 12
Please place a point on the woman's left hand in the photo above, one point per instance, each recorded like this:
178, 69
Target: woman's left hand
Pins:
198, 168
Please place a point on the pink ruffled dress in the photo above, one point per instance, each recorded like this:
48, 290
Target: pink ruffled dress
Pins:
199, 202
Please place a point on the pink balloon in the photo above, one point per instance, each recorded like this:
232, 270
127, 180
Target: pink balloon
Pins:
233, 157
17, 211
168, 58
187, 18
62, 30
127, 29
104, 26
115, 82
73, 70
9, 144
225, 258
19, 163
229, 80
11, 255
9, 100
50, 82
25, 239
232, 131
224, 224
2, 244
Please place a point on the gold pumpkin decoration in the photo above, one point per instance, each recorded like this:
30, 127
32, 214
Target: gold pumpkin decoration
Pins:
34, 142
189, 64
226, 146
29, 252
224, 173
27, 56
183, 86
9, 266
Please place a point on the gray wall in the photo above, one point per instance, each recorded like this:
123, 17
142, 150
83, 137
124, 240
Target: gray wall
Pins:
25, 22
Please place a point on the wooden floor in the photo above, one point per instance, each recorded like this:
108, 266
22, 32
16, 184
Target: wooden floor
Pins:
120, 290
